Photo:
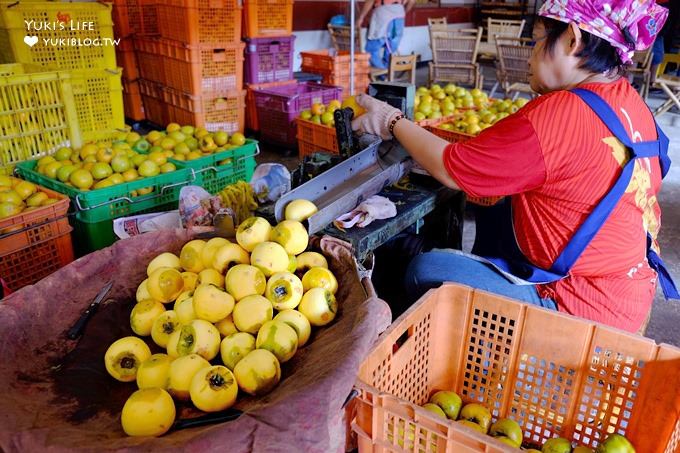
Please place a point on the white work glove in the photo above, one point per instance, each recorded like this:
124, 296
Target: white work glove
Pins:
375, 208
377, 118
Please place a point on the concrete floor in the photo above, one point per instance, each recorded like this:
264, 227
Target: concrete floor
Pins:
664, 325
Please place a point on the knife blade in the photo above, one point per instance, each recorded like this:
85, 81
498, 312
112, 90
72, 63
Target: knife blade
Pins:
77, 329
209, 419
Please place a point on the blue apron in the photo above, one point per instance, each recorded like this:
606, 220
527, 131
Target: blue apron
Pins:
512, 261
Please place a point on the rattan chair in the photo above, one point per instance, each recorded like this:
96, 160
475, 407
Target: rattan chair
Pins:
642, 69
500, 27
454, 57
512, 66
340, 37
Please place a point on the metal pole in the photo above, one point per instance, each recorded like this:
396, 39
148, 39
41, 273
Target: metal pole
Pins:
351, 47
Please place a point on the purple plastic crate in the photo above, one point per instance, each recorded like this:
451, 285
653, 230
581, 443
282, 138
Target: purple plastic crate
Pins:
269, 59
277, 108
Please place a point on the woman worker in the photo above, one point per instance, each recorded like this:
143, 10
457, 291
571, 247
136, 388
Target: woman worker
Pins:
385, 29
582, 166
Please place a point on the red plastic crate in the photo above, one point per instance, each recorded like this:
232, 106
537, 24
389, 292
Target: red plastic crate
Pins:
204, 68
132, 101
278, 107
38, 225
251, 110
152, 100
149, 53
200, 21
263, 18
269, 59
135, 17
126, 58
30, 264
213, 111
313, 137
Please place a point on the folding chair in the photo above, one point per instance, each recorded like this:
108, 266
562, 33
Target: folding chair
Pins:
642, 68
340, 37
671, 86
403, 63
398, 63
512, 69
454, 55
437, 24
500, 27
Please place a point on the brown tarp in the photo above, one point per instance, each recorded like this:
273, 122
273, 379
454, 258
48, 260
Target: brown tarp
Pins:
57, 395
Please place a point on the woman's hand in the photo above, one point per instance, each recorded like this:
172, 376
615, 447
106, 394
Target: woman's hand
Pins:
377, 118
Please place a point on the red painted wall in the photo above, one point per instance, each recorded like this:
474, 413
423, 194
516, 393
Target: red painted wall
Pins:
314, 15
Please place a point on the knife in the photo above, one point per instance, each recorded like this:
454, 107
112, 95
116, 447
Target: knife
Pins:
77, 329
209, 419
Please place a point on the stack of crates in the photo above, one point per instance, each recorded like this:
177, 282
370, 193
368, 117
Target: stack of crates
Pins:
334, 66
270, 45
132, 18
82, 46
36, 242
193, 69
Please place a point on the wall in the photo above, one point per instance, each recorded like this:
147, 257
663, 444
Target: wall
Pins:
310, 19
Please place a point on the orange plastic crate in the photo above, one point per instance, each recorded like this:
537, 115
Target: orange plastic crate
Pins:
314, 137
361, 82
152, 100
127, 59
555, 374
132, 101
205, 68
263, 18
135, 17
30, 264
200, 21
213, 111
149, 53
334, 63
252, 122
27, 228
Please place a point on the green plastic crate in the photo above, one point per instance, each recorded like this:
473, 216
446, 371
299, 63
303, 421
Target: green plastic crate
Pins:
213, 177
113, 202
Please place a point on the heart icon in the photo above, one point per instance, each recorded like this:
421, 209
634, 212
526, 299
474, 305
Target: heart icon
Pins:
31, 40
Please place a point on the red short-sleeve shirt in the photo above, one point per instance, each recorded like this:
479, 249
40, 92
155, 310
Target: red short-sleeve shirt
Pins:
557, 159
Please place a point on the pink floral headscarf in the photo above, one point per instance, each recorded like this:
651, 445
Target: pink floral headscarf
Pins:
629, 25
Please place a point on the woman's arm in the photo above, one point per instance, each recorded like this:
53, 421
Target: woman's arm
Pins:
426, 148
504, 159
368, 6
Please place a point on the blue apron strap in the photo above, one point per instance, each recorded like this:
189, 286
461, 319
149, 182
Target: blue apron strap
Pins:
589, 228
665, 280
587, 231
664, 160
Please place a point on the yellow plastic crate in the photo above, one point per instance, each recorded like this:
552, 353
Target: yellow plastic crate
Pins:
65, 48
98, 98
37, 114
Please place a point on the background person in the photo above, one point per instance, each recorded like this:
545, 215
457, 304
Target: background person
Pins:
386, 28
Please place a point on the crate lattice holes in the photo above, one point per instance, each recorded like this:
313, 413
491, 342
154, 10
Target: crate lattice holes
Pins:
556, 375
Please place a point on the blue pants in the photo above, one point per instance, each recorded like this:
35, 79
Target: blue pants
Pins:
430, 270
657, 51
390, 44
